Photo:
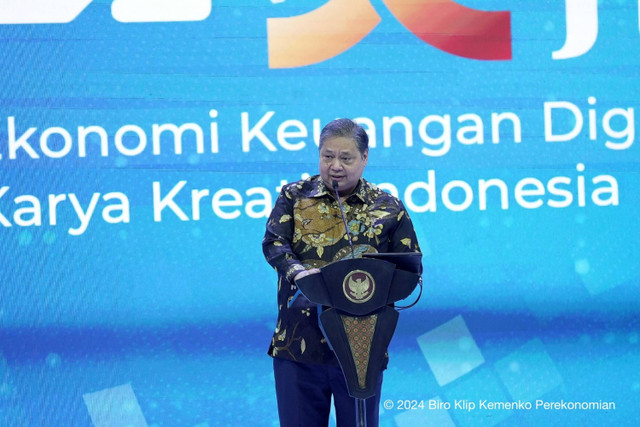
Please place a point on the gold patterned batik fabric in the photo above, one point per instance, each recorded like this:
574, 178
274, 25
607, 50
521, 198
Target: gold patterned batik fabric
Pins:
360, 334
305, 230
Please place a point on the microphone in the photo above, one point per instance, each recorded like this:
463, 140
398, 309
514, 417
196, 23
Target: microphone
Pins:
334, 184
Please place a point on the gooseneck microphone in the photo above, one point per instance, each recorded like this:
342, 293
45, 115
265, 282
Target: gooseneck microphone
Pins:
334, 184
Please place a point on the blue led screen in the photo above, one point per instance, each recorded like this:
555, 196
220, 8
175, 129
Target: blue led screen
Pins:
142, 146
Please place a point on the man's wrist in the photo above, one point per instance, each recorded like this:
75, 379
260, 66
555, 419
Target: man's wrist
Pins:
293, 271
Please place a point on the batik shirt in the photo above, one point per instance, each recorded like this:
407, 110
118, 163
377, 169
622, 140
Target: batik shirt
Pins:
306, 230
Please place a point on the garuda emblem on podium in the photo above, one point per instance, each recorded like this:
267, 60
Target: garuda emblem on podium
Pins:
358, 286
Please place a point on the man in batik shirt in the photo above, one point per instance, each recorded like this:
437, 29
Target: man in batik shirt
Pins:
305, 232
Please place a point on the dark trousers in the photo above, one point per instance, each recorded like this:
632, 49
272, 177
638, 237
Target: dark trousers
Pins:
304, 394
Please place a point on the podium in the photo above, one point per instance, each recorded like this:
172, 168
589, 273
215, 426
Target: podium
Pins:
357, 316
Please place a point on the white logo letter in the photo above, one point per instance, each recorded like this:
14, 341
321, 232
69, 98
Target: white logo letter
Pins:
40, 11
160, 10
582, 28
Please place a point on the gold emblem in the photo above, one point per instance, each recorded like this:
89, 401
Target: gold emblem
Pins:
358, 286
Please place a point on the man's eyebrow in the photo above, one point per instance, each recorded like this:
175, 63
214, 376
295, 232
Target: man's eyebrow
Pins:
329, 151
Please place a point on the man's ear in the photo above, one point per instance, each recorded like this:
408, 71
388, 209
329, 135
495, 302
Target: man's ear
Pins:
365, 156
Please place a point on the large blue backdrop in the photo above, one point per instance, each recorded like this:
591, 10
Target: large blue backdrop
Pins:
143, 143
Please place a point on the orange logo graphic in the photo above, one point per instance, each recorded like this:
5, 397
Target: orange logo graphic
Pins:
320, 34
340, 24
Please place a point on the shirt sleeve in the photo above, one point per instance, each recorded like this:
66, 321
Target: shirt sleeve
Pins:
403, 238
277, 241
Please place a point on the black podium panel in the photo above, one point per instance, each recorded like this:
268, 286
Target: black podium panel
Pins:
358, 286
357, 318
360, 344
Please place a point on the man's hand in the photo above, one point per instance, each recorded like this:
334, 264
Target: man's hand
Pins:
306, 273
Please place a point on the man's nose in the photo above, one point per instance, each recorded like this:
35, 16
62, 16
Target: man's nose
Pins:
336, 164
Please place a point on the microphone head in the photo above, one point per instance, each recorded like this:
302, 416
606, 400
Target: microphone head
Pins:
334, 184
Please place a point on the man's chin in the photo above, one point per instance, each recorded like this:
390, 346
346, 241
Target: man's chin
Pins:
329, 182
342, 184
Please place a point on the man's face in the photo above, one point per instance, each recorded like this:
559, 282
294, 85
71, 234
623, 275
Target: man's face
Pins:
341, 161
